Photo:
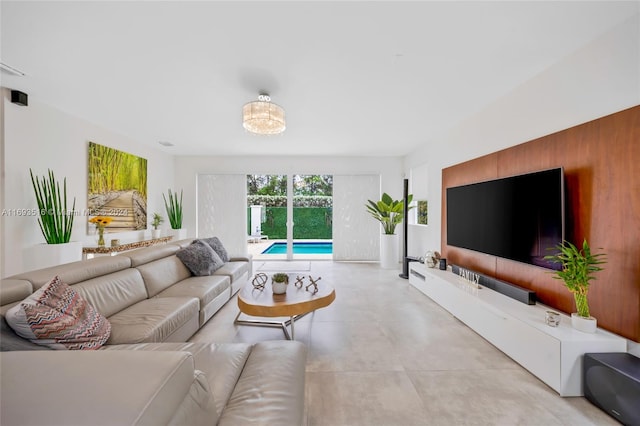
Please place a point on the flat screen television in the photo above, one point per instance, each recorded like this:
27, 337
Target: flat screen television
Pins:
519, 217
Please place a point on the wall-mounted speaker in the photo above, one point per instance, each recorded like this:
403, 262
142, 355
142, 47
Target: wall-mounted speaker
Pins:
612, 382
20, 98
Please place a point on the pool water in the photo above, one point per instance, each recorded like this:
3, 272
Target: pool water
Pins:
300, 248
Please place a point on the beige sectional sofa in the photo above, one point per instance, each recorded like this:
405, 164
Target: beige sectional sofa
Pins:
148, 373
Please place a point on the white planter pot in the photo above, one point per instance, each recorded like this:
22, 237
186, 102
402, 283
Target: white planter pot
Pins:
45, 255
586, 325
278, 288
179, 234
156, 233
389, 251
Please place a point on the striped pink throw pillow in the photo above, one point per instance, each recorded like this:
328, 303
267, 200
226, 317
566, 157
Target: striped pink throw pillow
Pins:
56, 316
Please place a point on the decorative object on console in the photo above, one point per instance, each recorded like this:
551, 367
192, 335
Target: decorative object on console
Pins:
443, 264
101, 222
56, 220
578, 269
299, 281
552, 319
279, 283
432, 258
259, 281
157, 220
510, 290
115, 242
389, 213
262, 117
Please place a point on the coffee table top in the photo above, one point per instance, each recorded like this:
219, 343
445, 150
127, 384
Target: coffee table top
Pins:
296, 301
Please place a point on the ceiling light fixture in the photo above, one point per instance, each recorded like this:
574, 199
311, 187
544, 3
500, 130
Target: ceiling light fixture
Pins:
263, 117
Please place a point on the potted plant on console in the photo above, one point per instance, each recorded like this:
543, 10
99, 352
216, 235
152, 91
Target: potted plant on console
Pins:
157, 220
174, 212
56, 223
578, 269
389, 213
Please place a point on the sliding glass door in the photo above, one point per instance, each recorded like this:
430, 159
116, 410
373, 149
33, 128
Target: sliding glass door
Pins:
290, 217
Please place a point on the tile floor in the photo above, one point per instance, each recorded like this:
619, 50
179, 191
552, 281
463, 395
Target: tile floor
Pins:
383, 354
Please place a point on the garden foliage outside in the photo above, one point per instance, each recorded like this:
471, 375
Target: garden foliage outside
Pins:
312, 205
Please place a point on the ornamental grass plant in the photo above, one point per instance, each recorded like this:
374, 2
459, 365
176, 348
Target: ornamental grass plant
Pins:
174, 209
56, 221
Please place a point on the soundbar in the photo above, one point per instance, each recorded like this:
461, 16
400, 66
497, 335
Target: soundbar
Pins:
513, 291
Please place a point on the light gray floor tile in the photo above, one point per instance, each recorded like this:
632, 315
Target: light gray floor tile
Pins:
384, 354
362, 398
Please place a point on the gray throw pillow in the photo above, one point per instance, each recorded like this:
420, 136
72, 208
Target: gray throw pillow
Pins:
217, 246
200, 258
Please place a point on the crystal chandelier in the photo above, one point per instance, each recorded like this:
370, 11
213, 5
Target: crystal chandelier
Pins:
263, 117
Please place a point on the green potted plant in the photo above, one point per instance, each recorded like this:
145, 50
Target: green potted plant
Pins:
578, 269
389, 213
174, 213
157, 220
55, 221
279, 283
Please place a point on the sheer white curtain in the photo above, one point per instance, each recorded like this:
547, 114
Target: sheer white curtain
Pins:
356, 235
222, 210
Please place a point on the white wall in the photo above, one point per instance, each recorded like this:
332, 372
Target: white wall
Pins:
41, 137
188, 168
597, 80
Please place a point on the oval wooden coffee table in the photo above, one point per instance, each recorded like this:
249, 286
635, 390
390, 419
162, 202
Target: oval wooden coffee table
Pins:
296, 303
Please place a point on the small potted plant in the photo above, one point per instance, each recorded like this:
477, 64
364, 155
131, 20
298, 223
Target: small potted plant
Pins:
578, 269
279, 283
157, 220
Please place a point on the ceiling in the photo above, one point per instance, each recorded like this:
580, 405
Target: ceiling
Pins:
355, 78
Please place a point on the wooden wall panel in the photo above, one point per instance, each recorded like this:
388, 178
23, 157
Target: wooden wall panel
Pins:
601, 160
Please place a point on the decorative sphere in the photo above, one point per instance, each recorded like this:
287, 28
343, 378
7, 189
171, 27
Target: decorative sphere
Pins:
431, 258
259, 280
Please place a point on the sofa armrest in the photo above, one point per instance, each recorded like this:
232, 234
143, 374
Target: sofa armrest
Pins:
241, 258
270, 390
97, 387
14, 290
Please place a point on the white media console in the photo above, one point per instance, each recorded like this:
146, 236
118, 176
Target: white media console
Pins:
553, 354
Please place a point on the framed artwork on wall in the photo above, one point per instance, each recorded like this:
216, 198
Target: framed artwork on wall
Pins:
117, 188
422, 213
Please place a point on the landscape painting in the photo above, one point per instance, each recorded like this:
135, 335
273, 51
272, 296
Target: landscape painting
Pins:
117, 188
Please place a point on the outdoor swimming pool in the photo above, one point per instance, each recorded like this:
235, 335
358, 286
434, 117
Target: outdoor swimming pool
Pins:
301, 248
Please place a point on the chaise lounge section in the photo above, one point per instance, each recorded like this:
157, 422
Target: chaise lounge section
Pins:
147, 373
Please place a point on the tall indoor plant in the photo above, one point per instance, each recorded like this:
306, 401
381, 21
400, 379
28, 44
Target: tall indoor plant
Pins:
174, 212
578, 269
389, 213
55, 221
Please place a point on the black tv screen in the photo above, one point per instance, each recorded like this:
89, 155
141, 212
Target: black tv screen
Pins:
519, 218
